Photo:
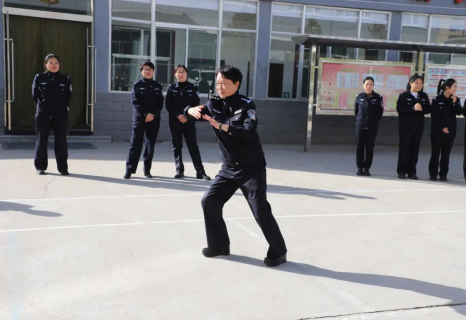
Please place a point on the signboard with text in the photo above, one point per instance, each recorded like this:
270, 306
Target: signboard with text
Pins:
340, 81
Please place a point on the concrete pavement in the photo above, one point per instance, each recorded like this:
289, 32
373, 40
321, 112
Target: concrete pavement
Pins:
95, 246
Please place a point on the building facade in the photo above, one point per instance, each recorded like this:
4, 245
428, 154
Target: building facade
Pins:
102, 42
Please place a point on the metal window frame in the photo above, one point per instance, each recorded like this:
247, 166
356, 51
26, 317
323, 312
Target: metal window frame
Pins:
154, 25
303, 20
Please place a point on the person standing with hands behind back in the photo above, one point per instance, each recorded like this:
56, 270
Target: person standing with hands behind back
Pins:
412, 106
368, 112
147, 100
51, 92
444, 107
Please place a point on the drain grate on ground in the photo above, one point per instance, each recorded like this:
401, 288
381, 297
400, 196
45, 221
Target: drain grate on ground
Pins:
32, 146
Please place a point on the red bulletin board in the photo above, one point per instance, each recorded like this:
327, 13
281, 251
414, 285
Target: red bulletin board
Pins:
340, 81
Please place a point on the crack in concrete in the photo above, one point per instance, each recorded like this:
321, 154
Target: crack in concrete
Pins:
383, 311
46, 187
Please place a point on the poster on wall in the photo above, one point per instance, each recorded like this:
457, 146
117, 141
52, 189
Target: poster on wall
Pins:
340, 81
434, 73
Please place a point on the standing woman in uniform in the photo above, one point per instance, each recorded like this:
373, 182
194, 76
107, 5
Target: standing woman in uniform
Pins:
51, 92
180, 95
444, 109
368, 112
147, 100
412, 106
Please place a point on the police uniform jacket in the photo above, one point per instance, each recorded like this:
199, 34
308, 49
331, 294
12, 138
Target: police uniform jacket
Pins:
52, 93
240, 147
443, 113
408, 117
147, 98
179, 97
368, 110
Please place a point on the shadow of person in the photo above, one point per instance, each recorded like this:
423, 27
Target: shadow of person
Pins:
155, 182
455, 295
196, 185
277, 189
28, 209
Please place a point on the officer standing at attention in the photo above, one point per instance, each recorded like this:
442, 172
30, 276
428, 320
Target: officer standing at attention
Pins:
180, 95
368, 112
51, 92
444, 108
412, 106
234, 122
147, 100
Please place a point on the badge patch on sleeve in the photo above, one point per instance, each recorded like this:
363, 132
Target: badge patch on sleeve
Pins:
252, 114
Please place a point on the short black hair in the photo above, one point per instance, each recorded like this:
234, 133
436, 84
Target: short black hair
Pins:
369, 78
231, 73
50, 56
178, 67
146, 63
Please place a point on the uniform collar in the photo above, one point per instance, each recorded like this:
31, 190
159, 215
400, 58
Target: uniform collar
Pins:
232, 98
147, 81
52, 74
181, 84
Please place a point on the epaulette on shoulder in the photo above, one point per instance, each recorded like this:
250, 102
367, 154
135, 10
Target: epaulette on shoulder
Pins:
213, 97
246, 100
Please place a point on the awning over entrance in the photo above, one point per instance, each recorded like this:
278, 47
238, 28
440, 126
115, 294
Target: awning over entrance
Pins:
324, 41
314, 41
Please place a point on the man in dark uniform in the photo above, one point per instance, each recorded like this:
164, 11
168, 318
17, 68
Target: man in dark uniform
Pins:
233, 118
180, 95
147, 100
368, 112
51, 91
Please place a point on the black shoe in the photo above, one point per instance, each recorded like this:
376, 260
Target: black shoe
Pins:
276, 262
443, 178
147, 174
207, 252
179, 175
401, 176
433, 178
414, 177
204, 177
65, 173
40, 172
127, 175
367, 172
360, 172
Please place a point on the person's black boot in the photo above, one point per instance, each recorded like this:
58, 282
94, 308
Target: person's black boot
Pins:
401, 176
275, 262
207, 252
179, 175
148, 174
40, 172
204, 177
360, 172
367, 172
127, 175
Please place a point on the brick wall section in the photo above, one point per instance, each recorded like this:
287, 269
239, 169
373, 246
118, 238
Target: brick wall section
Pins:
280, 122
278, 125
